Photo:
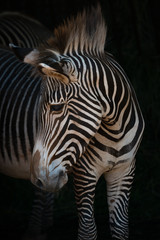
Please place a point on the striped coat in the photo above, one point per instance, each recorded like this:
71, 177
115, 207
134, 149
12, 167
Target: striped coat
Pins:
89, 121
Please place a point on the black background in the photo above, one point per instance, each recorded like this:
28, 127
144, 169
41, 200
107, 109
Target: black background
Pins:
134, 38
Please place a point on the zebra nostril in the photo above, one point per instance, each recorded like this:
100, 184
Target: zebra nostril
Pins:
39, 183
61, 173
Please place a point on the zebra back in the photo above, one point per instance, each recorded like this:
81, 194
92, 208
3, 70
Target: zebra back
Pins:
22, 30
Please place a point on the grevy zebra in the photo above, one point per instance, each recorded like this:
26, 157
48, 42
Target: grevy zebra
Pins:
89, 121
22, 30
15, 148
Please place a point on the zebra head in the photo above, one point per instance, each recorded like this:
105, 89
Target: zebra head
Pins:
69, 109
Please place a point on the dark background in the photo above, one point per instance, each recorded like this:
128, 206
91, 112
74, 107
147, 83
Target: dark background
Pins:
134, 39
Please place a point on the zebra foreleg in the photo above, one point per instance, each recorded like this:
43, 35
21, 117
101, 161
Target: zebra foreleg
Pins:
84, 193
119, 182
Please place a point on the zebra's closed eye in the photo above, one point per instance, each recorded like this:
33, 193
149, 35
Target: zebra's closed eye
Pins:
56, 107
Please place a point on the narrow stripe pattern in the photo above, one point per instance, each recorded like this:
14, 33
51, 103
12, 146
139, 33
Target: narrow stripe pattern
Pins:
89, 122
19, 91
22, 30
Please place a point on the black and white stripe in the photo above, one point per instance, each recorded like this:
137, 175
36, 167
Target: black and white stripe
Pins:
89, 121
18, 120
110, 152
22, 30
18, 116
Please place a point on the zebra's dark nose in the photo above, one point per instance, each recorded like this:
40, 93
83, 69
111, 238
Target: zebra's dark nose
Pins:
39, 183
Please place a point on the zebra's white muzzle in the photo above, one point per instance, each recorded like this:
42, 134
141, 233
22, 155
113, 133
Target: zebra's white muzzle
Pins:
47, 178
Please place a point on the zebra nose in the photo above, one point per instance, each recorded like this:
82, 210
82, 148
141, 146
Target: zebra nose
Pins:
39, 183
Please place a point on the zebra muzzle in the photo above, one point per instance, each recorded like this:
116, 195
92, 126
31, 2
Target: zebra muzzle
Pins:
46, 179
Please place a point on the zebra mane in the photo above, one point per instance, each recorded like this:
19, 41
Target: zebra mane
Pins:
85, 33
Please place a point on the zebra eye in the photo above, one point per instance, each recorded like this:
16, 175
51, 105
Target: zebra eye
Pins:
56, 107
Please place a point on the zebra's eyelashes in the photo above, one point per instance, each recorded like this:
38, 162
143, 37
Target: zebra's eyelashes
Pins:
56, 107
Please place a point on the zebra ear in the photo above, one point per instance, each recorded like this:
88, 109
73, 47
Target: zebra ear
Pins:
55, 71
27, 55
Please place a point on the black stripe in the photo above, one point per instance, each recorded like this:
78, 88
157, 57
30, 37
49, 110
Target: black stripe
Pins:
125, 149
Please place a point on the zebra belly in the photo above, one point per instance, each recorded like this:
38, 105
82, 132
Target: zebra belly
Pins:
15, 156
14, 168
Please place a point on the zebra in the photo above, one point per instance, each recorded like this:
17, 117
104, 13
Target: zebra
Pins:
89, 121
22, 30
25, 32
